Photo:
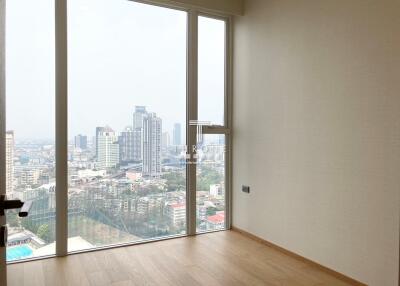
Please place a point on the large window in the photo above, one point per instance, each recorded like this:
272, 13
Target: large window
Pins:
211, 171
211, 70
30, 139
127, 113
145, 151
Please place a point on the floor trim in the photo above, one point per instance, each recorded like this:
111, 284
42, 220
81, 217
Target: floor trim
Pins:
299, 257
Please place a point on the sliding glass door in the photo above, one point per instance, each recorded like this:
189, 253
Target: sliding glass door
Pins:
131, 119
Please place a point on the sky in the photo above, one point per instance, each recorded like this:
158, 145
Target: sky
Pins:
120, 54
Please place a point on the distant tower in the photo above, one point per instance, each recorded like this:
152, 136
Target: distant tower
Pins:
98, 131
137, 128
107, 148
140, 112
166, 141
177, 135
9, 162
125, 141
152, 129
81, 142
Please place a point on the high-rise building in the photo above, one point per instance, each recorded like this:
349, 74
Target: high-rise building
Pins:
151, 145
81, 142
140, 112
137, 127
125, 141
98, 131
177, 135
93, 146
166, 141
9, 162
137, 144
107, 148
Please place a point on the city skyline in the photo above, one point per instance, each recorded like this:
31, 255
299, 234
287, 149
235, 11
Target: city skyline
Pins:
91, 135
111, 193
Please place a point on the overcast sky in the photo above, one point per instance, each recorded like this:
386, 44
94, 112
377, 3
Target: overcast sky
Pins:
121, 54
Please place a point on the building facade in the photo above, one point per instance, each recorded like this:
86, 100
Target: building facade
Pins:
176, 214
81, 142
177, 140
137, 128
166, 141
107, 149
151, 145
126, 146
9, 163
98, 131
28, 176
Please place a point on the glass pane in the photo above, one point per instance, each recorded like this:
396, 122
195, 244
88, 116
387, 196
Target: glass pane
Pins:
211, 71
30, 144
127, 97
211, 183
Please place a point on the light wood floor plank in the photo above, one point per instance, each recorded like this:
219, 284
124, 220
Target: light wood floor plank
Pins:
222, 258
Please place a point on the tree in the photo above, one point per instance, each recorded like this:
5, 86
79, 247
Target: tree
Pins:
44, 232
211, 211
29, 225
207, 177
12, 219
175, 181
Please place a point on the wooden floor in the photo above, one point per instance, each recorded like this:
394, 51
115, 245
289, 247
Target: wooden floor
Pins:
222, 258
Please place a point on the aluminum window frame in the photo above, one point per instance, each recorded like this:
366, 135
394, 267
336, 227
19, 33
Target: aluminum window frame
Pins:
225, 129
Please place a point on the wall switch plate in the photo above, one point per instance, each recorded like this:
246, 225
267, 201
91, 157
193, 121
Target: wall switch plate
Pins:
246, 189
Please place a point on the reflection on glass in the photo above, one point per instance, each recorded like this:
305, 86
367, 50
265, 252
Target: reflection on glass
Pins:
211, 70
30, 148
127, 102
211, 183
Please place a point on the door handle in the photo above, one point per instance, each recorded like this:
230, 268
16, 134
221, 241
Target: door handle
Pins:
26, 207
3, 236
14, 204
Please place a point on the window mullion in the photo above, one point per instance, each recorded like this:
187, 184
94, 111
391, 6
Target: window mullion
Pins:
61, 127
228, 119
192, 115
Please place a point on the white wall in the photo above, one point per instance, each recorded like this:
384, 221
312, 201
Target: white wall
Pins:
317, 131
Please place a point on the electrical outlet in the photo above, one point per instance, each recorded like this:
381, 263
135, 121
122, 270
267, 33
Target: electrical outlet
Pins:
246, 189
